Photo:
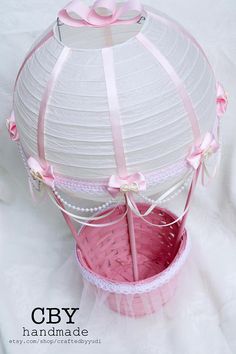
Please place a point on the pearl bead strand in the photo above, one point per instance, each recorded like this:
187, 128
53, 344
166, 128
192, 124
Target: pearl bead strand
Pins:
105, 205
84, 210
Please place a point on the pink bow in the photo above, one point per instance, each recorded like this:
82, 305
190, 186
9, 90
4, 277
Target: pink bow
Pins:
12, 129
133, 183
201, 152
91, 16
40, 173
221, 100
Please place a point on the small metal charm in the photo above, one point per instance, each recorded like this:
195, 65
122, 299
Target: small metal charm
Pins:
59, 24
142, 19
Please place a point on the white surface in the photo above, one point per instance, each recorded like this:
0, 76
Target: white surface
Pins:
155, 125
37, 262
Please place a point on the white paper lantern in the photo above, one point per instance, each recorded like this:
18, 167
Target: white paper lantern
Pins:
164, 91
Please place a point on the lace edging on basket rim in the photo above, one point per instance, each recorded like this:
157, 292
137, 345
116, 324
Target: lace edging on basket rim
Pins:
127, 289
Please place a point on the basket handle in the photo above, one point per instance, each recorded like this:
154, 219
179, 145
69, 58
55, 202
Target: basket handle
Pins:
101, 14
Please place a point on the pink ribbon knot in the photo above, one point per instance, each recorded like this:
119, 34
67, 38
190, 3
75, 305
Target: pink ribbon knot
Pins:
40, 173
221, 100
101, 13
202, 152
12, 128
133, 183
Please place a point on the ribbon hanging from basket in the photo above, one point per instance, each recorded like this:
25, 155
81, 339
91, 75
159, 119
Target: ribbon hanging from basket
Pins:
199, 155
102, 13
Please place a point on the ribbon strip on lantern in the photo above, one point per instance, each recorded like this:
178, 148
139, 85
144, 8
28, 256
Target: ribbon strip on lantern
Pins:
12, 128
41, 173
127, 13
201, 153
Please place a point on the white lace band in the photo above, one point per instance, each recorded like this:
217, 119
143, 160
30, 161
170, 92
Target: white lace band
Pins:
138, 287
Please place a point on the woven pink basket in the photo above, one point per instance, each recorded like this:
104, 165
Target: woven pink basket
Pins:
105, 261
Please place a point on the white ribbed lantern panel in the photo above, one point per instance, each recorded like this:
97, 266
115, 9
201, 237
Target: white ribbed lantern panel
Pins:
156, 128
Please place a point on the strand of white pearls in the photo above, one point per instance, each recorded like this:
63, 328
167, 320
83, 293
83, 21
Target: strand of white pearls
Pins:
106, 205
112, 202
84, 210
69, 205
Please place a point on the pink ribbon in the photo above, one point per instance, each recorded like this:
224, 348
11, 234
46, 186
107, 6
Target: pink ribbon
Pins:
201, 152
40, 173
221, 100
12, 128
91, 16
133, 183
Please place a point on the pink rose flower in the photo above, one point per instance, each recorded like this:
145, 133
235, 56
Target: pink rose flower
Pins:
12, 128
221, 100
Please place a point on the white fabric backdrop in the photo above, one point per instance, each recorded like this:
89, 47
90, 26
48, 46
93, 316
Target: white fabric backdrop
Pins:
37, 262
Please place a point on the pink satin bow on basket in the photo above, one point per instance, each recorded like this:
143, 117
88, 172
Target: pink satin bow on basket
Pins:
201, 153
40, 173
102, 13
133, 183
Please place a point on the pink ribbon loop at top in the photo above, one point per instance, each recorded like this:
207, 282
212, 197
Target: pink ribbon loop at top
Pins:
40, 173
221, 100
133, 183
102, 13
12, 128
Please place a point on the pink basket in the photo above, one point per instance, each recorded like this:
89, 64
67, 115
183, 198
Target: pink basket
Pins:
105, 261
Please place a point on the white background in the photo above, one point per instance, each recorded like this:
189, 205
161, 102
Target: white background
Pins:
37, 263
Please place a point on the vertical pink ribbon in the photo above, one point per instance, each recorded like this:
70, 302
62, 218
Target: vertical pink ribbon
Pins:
176, 80
45, 100
115, 119
32, 51
114, 111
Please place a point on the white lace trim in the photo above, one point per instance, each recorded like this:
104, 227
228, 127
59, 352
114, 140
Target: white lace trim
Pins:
100, 187
138, 288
